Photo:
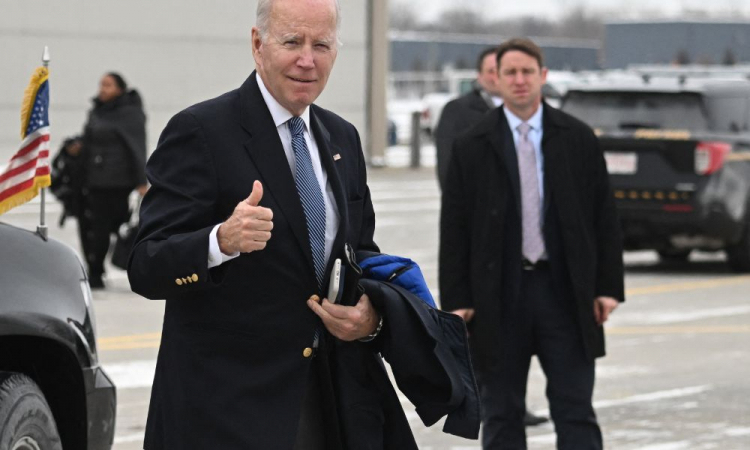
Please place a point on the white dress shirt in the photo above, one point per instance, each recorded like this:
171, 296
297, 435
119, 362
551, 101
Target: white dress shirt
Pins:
280, 116
535, 136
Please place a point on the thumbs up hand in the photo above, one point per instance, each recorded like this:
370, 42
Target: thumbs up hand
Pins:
249, 227
254, 198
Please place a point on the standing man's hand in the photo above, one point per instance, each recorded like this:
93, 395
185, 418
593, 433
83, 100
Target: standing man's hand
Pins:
603, 307
466, 313
249, 227
347, 323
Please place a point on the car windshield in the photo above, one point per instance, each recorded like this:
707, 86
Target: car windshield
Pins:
634, 110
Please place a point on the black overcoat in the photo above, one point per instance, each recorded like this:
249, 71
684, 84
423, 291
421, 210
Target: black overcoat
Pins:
232, 370
480, 242
114, 143
457, 117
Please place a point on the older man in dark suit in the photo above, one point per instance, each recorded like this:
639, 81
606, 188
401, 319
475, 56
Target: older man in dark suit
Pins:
254, 193
462, 113
531, 254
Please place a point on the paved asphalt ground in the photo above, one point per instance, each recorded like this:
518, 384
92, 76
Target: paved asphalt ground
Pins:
677, 375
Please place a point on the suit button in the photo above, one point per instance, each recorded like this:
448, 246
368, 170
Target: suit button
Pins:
178, 281
307, 352
194, 278
494, 212
491, 265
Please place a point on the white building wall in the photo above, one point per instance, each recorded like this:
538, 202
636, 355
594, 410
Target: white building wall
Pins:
174, 52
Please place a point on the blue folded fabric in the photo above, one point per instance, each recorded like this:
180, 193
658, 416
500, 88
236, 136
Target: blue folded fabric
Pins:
398, 270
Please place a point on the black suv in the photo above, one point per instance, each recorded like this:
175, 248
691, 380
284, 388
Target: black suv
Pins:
53, 393
678, 153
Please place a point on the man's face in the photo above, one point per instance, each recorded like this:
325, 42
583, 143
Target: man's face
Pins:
297, 56
521, 81
487, 77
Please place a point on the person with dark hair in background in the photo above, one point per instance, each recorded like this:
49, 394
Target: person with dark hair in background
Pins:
531, 254
113, 148
466, 111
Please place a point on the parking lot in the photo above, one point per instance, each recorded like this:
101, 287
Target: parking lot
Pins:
676, 377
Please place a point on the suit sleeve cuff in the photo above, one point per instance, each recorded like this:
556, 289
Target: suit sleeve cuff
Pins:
215, 256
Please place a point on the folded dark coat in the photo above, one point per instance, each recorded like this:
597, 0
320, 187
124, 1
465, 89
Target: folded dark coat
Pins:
428, 352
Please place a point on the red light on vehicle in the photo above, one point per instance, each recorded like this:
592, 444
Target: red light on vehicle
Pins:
709, 156
678, 208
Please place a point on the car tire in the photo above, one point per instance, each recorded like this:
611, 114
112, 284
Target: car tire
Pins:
27, 422
673, 255
738, 255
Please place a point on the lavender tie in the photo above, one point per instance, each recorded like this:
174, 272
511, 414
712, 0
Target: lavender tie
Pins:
533, 242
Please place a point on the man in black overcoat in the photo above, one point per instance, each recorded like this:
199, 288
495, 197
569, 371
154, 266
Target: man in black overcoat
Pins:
254, 194
462, 113
531, 254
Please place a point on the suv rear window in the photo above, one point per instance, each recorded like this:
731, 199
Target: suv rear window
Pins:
632, 110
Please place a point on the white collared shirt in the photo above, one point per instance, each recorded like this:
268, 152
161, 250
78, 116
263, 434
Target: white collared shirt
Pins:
535, 136
280, 117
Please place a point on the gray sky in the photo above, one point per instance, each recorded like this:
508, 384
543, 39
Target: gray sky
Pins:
614, 9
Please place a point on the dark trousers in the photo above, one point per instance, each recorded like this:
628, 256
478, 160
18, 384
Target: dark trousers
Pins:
540, 323
103, 212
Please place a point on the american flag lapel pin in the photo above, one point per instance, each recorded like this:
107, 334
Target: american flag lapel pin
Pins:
336, 157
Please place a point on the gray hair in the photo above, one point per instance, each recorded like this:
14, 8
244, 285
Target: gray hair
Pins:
263, 17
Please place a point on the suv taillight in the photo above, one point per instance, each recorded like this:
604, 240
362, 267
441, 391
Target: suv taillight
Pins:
709, 156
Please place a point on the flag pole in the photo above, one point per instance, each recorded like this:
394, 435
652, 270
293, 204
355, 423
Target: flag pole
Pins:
42, 228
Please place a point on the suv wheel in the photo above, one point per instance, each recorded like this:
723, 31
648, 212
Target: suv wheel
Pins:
738, 255
27, 421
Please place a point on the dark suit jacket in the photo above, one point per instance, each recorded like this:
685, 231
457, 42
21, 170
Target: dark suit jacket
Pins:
480, 242
457, 117
231, 371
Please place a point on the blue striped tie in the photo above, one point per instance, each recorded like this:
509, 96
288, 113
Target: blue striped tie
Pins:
310, 195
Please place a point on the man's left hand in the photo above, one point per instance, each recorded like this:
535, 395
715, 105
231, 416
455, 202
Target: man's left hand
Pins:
603, 307
347, 323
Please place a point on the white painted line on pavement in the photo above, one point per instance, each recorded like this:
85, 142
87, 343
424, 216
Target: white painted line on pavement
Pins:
129, 438
669, 446
653, 396
737, 432
133, 374
603, 371
642, 398
656, 318
550, 439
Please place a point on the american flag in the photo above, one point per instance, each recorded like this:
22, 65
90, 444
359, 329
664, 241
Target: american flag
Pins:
28, 170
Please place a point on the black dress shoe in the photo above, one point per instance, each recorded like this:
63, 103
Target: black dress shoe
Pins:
96, 283
531, 420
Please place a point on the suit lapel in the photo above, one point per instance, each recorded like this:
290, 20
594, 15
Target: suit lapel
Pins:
505, 147
267, 153
327, 149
